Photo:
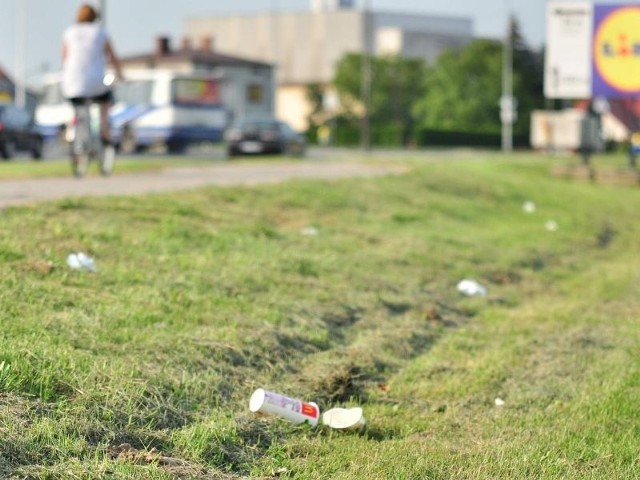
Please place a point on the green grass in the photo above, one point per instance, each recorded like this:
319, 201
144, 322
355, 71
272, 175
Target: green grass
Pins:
24, 168
145, 368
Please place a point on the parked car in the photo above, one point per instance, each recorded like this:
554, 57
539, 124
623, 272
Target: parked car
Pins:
262, 136
18, 133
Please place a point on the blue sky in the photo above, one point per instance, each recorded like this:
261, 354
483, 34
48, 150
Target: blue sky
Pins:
134, 24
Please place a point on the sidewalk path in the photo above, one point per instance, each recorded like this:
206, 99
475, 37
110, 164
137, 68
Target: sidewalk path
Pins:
18, 192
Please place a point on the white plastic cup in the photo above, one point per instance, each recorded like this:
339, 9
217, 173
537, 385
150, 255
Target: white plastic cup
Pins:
344, 418
292, 409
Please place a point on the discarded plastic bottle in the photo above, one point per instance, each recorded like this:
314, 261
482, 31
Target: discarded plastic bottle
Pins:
292, 409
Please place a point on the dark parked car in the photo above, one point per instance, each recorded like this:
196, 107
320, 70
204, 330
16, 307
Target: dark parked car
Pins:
256, 136
18, 133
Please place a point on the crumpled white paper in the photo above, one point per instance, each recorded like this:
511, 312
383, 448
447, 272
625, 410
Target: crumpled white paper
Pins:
81, 261
471, 288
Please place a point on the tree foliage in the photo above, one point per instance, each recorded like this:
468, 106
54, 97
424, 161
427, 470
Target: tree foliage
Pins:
460, 92
314, 95
463, 88
396, 84
529, 86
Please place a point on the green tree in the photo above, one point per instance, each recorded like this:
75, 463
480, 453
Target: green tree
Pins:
396, 84
464, 87
529, 86
314, 97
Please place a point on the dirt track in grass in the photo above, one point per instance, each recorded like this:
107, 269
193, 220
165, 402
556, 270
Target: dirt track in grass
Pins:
20, 192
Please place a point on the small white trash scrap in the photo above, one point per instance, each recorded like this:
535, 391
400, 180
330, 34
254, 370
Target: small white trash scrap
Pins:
499, 402
471, 288
81, 261
309, 231
529, 207
344, 418
551, 226
292, 409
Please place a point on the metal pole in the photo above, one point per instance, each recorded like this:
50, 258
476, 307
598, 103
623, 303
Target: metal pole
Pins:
274, 54
366, 79
20, 86
506, 102
102, 8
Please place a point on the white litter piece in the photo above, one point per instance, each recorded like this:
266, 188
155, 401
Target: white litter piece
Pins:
529, 207
292, 409
309, 231
499, 402
73, 262
551, 226
344, 418
87, 262
471, 288
81, 261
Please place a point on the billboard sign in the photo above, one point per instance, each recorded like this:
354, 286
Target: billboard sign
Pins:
568, 61
616, 51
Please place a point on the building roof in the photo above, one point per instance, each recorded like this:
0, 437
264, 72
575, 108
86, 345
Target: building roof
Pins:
4, 76
204, 54
7, 81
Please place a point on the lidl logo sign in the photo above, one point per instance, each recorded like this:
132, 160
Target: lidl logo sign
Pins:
616, 50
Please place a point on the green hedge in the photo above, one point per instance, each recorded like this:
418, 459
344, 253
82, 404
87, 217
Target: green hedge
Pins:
347, 134
445, 138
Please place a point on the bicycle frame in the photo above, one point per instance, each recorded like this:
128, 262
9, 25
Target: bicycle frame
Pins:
86, 144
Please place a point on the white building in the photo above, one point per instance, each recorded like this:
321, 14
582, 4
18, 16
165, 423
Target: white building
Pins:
306, 46
247, 84
173, 96
319, 5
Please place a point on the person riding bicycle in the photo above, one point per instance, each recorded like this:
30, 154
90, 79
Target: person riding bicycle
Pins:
86, 48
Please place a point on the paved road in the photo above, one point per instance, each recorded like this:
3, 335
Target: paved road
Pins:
17, 192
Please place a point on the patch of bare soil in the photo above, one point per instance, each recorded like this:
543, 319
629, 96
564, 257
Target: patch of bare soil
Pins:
177, 467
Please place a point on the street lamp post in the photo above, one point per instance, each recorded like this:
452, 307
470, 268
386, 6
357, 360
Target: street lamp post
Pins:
102, 8
507, 102
20, 95
366, 79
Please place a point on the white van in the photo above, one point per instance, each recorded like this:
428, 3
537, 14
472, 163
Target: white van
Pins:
152, 108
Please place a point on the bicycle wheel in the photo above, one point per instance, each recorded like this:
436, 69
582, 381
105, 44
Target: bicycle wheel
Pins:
107, 159
80, 141
79, 163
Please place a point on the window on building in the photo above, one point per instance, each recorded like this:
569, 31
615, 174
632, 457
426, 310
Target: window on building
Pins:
195, 91
255, 93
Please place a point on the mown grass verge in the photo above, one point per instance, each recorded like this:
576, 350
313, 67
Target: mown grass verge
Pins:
22, 168
144, 369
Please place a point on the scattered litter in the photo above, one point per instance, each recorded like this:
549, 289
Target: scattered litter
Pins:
499, 402
73, 262
298, 411
292, 409
529, 207
81, 261
551, 226
471, 288
344, 418
309, 231
384, 387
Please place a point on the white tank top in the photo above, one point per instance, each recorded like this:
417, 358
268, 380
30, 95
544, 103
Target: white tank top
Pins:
83, 68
